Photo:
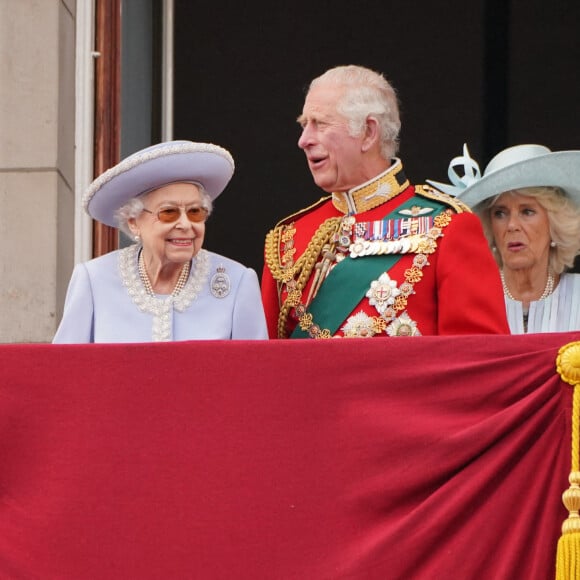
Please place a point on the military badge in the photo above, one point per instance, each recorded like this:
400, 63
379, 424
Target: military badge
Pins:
382, 293
360, 325
416, 210
403, 326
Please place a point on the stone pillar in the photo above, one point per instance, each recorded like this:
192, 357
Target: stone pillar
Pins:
37, 122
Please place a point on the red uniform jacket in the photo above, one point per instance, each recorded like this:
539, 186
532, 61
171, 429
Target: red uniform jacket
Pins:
458, 289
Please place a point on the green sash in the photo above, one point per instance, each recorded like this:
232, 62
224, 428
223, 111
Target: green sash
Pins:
350, 279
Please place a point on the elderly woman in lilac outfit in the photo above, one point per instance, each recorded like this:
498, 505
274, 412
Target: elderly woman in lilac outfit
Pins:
165, 286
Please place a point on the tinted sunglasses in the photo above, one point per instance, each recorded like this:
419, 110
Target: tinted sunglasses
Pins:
172, 214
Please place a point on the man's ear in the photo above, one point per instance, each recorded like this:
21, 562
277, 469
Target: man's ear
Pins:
371, 133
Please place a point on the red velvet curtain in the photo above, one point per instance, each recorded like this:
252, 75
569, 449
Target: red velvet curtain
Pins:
406, 458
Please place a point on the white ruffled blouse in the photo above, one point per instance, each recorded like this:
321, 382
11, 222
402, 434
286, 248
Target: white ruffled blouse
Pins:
559, 312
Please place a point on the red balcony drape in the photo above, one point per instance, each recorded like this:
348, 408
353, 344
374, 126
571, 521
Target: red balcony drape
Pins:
406, 458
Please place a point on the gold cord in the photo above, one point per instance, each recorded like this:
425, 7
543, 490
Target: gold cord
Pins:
303, 267
568, 549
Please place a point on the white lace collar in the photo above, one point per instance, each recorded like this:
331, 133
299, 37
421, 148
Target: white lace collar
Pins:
161, 306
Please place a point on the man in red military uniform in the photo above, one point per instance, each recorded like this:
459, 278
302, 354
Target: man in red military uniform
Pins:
378, 257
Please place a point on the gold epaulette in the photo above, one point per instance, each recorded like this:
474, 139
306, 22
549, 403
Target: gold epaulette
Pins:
303, 211
432, 193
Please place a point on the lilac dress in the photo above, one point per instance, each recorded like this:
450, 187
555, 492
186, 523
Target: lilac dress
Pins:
106, 302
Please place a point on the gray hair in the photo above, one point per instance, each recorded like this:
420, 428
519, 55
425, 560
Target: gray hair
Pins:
367, 94
133, 208
563, 217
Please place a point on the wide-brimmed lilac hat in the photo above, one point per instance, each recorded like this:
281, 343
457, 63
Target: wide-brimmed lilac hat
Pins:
169, 162
516, 167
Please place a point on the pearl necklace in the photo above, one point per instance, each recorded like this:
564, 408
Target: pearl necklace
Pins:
547, 290
181, 281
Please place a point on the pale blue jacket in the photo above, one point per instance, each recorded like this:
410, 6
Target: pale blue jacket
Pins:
99, 307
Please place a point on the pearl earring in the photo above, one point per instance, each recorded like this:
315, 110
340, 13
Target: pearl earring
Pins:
137, 238
553, 244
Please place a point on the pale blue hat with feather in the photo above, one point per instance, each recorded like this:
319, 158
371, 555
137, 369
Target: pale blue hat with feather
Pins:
516, 167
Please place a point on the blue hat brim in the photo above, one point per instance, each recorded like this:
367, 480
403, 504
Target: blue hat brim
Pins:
154, 167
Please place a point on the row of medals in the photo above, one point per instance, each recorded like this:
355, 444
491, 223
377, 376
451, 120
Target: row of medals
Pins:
423, 243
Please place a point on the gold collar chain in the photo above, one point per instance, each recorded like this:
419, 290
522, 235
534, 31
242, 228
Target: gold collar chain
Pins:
373, 193
384, 322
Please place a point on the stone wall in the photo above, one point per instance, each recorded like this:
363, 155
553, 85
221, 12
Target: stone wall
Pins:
37, 159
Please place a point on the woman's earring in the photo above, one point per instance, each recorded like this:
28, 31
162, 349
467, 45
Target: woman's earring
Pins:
553, 244
137, 238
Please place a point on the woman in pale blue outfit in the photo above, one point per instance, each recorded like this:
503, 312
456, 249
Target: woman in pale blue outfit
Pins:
166, 286
528, 200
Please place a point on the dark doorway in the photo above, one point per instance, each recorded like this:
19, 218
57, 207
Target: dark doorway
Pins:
241, 71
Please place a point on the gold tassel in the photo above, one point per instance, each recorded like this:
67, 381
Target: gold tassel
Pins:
568, 553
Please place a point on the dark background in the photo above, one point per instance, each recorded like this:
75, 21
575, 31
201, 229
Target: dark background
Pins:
489, 73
